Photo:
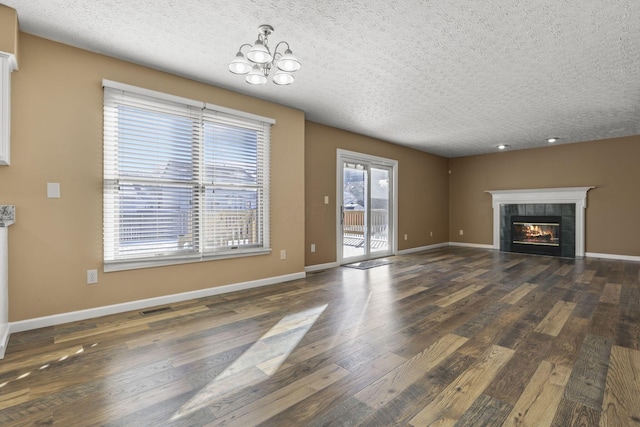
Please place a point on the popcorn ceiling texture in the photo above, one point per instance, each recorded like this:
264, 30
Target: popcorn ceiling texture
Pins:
452, 78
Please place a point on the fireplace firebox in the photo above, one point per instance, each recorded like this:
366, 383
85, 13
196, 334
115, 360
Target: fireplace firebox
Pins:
536, 235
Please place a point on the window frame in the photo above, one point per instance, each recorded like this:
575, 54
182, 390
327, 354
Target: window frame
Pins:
197, 141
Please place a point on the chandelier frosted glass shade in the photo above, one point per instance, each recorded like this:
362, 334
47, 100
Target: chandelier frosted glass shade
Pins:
256, 76
288, 62
260, 60
240, 65
259, 53
283, 78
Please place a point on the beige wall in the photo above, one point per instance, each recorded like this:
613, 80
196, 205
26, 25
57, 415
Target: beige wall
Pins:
613, 207
422, 190
57, 137
8, 30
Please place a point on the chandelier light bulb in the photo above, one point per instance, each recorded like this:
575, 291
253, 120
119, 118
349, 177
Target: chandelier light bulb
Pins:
256, 76
259, 61
288, 62
259, 53
240, 65
283, 78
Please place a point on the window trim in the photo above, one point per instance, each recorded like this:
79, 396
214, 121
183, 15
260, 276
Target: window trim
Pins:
119, 265
174, 98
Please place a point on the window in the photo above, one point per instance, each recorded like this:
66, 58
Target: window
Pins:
183, 180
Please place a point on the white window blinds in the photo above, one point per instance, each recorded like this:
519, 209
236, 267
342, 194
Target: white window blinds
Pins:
181, 179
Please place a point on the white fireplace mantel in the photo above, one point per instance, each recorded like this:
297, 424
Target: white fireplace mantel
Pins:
574, 195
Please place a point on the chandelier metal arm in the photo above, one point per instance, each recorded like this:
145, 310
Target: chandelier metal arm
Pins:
278, 45
246, 44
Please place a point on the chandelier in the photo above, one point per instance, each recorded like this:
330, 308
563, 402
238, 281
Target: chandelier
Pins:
259, 61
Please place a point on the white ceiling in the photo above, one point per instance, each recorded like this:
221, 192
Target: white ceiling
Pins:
453, 78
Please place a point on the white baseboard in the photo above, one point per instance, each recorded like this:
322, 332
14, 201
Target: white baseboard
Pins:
317, 267
423, 248
471, 245
56, 319
613, 256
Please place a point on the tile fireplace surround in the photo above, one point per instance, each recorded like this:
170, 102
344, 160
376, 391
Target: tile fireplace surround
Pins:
543, 196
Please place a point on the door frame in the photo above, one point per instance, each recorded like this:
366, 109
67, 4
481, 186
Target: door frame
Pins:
371, 160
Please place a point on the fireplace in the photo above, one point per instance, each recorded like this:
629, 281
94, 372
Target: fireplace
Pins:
569, 203
540, 235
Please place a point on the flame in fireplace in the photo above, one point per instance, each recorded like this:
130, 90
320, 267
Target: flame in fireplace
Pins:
535, 233
538, 233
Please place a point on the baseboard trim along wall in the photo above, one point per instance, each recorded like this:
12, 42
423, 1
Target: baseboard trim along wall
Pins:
56, 319
318, 267
423, 248
471, 245
613, 256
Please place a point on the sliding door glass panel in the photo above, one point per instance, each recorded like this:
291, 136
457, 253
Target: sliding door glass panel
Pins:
380, 204
354, 210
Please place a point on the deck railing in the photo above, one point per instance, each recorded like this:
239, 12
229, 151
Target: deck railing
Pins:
353, 222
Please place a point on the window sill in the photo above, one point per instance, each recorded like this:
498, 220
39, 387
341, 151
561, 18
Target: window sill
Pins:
134, 265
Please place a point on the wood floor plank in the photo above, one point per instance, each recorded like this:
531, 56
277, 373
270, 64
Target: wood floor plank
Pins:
588, 377
304, 412
419, 394
566, 347
571, 413
539, 401
389, 386
586, 303
457, 296
628, 326
604, 320
141, 322
554, 321
530, 316
208, 323
8, 400
509, 385
274, 403
611, 293
621, 404
458, 396
562, 271
500, 330
517, 294
17, 363
470, 275
485, 411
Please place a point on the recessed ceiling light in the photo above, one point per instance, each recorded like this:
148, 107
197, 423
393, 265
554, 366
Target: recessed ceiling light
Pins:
501, 147
552, 139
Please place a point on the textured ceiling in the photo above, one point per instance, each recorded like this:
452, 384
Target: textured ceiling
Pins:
452, 78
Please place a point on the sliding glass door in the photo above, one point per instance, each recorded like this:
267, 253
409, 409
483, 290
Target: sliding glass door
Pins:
366, 207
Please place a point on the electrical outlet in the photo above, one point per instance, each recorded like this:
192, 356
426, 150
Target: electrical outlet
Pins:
461, 232
313, 247
92, 277
405, 237
283, 254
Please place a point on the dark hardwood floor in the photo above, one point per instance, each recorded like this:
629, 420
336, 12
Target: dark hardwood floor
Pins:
453, 336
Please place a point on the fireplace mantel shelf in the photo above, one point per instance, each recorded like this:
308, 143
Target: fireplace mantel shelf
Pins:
574, 195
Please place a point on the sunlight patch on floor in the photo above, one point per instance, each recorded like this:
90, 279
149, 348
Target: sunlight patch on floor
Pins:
259, 362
